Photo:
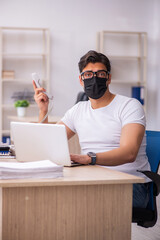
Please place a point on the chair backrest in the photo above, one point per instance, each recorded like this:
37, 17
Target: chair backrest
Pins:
147, 217
81, 97
153, 154
153, 149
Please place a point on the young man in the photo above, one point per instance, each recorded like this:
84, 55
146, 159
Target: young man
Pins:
111, 128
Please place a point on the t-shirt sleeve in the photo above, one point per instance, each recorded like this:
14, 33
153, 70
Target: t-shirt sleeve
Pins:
68, 118
133, 112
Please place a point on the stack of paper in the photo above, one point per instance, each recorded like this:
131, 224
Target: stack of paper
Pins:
39, 169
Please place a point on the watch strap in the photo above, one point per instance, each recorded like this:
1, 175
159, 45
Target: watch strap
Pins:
93, 157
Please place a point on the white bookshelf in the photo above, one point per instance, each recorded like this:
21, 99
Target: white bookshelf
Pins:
127, 52
22, 50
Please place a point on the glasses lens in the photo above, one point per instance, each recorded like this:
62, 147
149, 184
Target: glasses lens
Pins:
102, 74
88, 74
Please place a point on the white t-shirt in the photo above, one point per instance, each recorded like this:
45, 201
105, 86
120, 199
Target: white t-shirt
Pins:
99, 130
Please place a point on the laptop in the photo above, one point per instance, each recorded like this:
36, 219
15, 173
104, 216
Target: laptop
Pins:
37, 141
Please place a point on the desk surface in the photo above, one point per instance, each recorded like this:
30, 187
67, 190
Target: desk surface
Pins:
51, 119
80, 175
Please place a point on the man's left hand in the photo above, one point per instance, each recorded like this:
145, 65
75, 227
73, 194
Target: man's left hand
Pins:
82, 159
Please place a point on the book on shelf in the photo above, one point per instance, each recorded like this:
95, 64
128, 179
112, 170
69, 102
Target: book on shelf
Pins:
24, 170
6, 74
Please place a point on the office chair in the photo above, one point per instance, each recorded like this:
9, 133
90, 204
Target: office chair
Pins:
82, 97
147, 217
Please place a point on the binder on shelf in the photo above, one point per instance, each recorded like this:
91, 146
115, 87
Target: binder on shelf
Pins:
138, 93
6, 140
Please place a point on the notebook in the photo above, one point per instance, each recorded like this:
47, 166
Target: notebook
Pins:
37, 141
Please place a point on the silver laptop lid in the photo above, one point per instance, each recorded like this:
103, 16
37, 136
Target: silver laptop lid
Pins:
36, 141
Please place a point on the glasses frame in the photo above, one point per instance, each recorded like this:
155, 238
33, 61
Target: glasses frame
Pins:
94, 73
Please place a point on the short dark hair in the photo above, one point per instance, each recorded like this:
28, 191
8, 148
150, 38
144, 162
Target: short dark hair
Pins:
93, 57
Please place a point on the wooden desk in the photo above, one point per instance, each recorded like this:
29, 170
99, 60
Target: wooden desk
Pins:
88, 203
51, 119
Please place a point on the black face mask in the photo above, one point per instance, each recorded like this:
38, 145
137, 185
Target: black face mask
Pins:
95, 87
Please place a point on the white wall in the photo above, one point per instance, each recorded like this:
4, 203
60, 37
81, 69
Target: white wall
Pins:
155, 102
73, 26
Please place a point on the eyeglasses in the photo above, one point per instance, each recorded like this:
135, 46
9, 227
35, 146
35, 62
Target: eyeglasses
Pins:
90, 74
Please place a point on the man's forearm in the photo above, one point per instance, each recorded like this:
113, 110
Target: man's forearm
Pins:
116, 157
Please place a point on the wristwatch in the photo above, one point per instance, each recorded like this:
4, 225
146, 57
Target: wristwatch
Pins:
93, 157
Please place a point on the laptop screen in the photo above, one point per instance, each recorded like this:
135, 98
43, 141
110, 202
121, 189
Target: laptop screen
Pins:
36, 141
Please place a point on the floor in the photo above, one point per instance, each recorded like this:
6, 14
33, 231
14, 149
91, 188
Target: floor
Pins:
139, 233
